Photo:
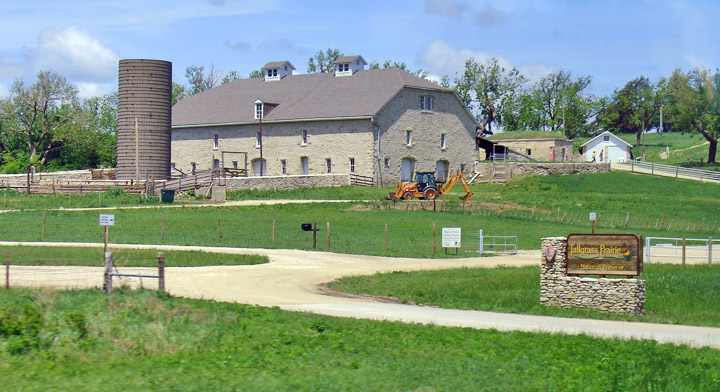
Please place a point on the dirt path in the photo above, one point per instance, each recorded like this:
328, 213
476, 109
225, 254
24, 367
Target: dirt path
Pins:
293, 280
291, 276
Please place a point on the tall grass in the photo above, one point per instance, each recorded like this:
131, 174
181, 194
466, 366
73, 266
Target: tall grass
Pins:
140, 340
676, 294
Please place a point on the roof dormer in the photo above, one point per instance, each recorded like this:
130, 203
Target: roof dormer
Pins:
348, 65
277, 70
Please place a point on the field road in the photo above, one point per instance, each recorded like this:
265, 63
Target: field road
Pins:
294, 280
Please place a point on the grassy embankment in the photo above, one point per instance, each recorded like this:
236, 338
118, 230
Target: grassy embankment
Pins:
140, 340
532, 208
676, 294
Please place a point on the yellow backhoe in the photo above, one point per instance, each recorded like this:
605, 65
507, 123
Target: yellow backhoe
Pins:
426, 188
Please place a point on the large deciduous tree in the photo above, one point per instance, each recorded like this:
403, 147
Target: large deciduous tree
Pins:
634, 108
487, 89
34, 113
694, 105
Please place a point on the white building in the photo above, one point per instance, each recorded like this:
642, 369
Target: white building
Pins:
606, 147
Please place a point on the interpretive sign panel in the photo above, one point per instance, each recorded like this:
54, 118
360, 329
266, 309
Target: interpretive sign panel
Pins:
604, 254
451, 237
107, 219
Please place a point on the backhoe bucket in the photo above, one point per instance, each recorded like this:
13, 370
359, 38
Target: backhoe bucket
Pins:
467, 197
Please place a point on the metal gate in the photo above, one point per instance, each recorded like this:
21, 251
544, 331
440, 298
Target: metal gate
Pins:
676, 250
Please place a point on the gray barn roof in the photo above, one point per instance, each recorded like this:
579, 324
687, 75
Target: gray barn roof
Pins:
299, 97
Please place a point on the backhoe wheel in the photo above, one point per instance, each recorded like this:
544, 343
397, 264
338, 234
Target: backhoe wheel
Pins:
430, 194
407, 196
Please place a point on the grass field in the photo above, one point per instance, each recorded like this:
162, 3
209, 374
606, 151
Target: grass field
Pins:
676, 294
140, 340
35, 255
534, 207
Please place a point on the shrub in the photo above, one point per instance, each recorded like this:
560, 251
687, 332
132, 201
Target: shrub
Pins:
114, 191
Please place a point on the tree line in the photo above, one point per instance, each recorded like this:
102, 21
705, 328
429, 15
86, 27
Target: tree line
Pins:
47, 125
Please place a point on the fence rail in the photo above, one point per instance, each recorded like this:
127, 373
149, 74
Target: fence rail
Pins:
505, 244
673, 249
668, 170
358, 180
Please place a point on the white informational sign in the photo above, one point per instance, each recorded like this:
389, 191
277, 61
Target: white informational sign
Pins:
107, 219
593, 216
451, 237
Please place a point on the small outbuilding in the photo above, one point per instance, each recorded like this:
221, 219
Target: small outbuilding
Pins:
531, 146
606, 147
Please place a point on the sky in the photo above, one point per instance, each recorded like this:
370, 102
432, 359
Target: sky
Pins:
613, 41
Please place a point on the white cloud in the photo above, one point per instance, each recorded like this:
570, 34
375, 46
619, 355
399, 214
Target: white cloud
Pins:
76, 54
443, 59
87, 90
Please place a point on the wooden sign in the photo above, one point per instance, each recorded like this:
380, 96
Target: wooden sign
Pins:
604, 254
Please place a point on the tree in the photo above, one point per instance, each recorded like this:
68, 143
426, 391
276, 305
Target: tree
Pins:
323, 62
258, 73
199, 80
179, 92
694, 105
393, 64
634, 107
555, 103
230, 76
486, 89
34, 113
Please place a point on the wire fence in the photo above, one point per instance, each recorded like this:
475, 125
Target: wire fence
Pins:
83, 277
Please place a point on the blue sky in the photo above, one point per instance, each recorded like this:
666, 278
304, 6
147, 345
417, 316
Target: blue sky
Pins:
613, 41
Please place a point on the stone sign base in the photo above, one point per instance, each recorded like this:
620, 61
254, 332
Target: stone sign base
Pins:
608, 295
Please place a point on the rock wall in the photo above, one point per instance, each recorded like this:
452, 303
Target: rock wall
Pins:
43, 178
522, 169
607, 295
287, 182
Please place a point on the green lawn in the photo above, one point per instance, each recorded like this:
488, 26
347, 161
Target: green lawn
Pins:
551, 206
676, 294
140, 340
36, 255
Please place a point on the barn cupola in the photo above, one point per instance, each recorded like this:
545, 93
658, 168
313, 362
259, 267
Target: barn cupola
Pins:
348, 65
277, 70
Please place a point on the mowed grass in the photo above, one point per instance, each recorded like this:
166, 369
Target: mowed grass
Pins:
676, 294
40, 256
551, 206
141, 340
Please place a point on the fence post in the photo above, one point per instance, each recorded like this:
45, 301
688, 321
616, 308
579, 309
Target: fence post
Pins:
161, 271
386, 238
482, 246
7, 269
107, 282
710, 250
434, 241
683, 251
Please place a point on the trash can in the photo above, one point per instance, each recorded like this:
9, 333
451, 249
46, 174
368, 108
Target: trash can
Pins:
167, 195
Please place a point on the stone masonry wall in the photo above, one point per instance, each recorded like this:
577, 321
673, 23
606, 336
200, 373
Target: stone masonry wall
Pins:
448, 117
522, 169
287, 182
44, 178
338, 141
607, 295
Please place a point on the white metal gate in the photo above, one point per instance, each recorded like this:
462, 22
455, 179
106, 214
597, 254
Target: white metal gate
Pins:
505, 244
671, 250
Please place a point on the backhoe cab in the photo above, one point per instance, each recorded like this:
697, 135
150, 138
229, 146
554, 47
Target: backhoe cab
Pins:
425, 187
